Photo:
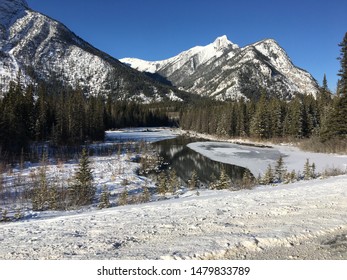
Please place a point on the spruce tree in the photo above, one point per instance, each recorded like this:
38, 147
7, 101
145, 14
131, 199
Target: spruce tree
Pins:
277, 118
146, 195
105, 198
123, 197
308, 170
338, 120
343, 70
4, 216
41, 193
247, 179
324, 101
296, 110
162, 183
193, 182
261, 124
325, 83
173, 181
82, 190
224, 180
280, 169
269, 176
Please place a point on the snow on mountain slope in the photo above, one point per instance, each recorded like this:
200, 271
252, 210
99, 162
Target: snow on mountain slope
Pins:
10, 10
222, 70
194, 57
300, 80
46, 50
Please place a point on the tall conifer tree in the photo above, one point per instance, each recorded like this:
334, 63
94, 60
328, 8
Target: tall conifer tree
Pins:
82, 190
343, 70
338, 119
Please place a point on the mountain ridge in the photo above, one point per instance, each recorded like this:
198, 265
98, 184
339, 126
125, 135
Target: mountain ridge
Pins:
10, 10
231, 72
43, 49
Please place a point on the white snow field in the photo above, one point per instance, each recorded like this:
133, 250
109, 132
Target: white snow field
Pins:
190, 227
141, 134
210, 224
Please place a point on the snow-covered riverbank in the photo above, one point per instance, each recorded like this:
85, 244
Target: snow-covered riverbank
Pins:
256, 223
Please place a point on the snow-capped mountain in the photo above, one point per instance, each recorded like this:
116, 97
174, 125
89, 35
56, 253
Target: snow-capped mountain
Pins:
190, 59
43, 49
223, 70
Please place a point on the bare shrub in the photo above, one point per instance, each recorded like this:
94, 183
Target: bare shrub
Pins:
314, 144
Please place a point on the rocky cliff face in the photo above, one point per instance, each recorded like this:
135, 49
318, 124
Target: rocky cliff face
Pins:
223, 70
43, 49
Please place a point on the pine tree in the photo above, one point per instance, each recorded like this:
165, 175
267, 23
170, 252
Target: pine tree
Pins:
18, 215
325, 84
313, 170
280, 169
343, 70
337, 119
82, 190
325, 109
247, 179
224, 180
296, 111
173, 182
213, 182
290, 177
162, 183
269, 176
277, 118
123, 197
146, 195
260, 125
53, 200
309, 170
193, 182
41, 193
4, 216
104, 198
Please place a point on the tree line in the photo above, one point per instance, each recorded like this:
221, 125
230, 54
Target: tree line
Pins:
266, 118
64, 116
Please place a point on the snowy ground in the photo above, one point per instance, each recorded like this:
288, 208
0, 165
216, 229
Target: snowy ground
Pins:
306, 219
214, 223
141, 134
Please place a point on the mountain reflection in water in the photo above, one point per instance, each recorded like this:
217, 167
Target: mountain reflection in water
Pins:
184, 161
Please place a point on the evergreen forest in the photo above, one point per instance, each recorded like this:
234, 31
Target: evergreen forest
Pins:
64, 117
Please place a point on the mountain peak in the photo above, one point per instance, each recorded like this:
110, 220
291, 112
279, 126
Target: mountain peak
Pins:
10, 9
223, 42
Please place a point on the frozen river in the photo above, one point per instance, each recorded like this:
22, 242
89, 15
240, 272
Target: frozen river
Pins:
257, 159
189, 155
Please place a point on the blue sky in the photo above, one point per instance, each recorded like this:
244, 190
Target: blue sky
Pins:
309, 30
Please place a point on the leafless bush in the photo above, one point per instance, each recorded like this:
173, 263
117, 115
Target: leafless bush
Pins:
334, 171
314, 144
